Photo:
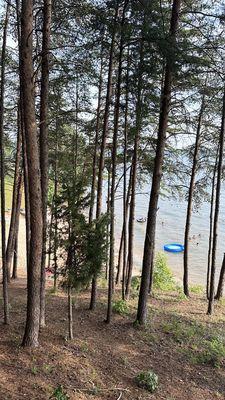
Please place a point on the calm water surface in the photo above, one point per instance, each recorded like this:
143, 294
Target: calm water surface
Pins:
170, 228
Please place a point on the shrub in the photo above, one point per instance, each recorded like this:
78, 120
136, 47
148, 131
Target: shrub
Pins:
162, 276
147, 380
213, 353
120, 307
59, 394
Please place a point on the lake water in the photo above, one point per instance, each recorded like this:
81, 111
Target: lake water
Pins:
170, 228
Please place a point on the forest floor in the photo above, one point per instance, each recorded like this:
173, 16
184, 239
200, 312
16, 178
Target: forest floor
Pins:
182, 345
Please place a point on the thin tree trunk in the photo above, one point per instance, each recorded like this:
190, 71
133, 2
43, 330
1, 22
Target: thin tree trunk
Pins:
211, 226
70, 313
56, 215
220, 287
190, 198
12, 230
17, 221
44, 142
15, 259
216, 213
94, 172
103, 145
108, 226
123, 243
113, 182
157, 174
50, 236
24, 147
2, 169
34, 267
134, 177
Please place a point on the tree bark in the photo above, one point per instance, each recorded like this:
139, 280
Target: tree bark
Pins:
95, 159
2, 169
34, 179
16, 191
17, 221
220, 287
114, 165
70, 313
134, 176
190, 198
211, 226
24, 149
157, 174
103, 145
44, 142
216, 213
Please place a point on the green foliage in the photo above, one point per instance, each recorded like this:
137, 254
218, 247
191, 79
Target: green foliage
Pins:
181, 331
162, 276
59, 394
147, 380
199, 346
121, 307
213, 352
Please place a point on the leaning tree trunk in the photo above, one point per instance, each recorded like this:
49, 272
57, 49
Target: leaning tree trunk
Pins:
123, 243
103, 145
157, 174
17, 221
44, 143
216, 213
34, 178
134, 176
114, 164
94, 165
2, 170
190, 198
220, 287
211, 226
17, 179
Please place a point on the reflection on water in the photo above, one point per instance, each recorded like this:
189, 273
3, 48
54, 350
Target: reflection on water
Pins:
170, 228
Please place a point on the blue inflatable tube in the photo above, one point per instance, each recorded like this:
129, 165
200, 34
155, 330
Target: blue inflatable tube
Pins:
174, 247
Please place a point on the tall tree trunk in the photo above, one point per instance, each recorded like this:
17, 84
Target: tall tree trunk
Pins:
216, 213
34, 267
44, 142
114, 164
211, 226
220, 287
56, 212
103, 144
24, 148
17, 221
108, 226
17, 180
134, 176
190, 198
157, 174
123, 244
94, 165
50, 236
2, 169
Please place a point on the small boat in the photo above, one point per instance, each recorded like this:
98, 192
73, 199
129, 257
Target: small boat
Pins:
174, 247
141, 219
